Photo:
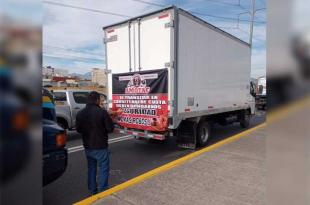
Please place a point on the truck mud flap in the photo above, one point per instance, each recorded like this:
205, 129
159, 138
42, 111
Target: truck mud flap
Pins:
186, 135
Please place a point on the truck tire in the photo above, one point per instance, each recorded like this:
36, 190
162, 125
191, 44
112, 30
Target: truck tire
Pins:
244, 119
264, 107
203, 133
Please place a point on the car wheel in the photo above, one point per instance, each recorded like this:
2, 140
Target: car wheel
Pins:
62, 124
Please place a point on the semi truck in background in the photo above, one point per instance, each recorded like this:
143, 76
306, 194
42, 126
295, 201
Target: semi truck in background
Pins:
261, 93
171, 73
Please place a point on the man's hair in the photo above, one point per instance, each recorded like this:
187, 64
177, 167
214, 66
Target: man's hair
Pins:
93, 97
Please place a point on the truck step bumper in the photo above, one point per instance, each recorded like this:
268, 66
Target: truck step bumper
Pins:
141, 134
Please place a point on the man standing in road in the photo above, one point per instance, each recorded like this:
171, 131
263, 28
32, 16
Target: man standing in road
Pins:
94, 123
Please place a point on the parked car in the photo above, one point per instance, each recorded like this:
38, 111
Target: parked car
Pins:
68, 103
55, 154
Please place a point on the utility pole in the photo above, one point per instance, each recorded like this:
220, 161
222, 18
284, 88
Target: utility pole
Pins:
252, 14
252, 23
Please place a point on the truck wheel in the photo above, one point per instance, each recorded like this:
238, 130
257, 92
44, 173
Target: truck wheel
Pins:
245, 119
203, 133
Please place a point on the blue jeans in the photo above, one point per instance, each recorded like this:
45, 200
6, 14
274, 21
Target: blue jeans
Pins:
100, 158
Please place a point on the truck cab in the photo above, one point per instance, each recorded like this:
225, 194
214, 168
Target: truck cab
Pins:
261, 93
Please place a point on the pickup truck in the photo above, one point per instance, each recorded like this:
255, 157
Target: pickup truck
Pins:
68, 103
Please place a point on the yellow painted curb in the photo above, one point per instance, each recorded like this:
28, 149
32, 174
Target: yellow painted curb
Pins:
166, 167
284, 111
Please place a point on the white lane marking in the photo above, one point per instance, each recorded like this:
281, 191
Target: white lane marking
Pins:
111, 141
80, 148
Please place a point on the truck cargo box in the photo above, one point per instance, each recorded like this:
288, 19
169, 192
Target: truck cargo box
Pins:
194, 68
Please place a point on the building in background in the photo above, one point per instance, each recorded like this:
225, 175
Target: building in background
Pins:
54, 78
48, 72
99, 77
47, 82
86, 83
60, 81
61, 72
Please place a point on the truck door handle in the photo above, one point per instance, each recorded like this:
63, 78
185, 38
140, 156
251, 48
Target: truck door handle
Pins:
76, 108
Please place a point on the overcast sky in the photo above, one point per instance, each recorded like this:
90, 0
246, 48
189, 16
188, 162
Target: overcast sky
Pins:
73, 38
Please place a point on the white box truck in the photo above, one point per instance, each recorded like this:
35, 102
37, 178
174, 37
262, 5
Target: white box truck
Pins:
171, 73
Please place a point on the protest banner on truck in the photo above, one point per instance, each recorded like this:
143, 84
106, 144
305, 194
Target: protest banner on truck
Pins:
142, 99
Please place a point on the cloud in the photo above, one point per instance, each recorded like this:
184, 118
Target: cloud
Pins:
70, 28
27, 11
77, 35
73, 54
76, 28
258, 63
82, 67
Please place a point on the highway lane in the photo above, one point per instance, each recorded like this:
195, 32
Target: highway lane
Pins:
129, 158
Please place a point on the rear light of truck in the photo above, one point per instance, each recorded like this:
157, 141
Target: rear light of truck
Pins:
141, 134
163, 16
158, 137
61, 139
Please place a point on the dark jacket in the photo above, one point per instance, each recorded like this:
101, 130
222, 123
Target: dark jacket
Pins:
94, 123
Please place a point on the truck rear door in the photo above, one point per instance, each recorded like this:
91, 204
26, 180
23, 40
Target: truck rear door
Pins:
135, 47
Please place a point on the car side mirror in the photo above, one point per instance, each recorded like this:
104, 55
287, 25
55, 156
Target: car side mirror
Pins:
253, 93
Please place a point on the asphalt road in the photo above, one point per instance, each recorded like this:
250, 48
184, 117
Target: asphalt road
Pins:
129, 158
